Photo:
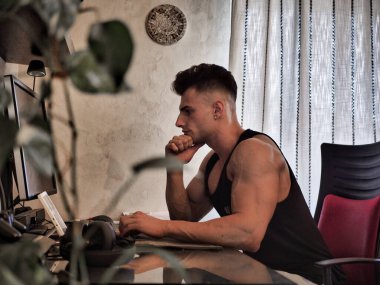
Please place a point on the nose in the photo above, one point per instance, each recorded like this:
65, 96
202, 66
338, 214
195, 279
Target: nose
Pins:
179, 123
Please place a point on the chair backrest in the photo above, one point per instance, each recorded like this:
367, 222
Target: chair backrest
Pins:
351, 171
350, 228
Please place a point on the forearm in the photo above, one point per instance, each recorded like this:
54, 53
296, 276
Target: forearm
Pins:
228, 231
177, 199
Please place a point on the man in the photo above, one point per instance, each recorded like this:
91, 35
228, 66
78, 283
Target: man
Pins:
245, 178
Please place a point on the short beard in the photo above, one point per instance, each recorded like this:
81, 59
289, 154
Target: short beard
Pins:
198, 140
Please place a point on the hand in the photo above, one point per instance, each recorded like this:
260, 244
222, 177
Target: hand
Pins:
143, 223
182, 147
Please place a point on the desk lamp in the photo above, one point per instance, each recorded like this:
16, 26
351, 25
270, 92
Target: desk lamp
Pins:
36, 68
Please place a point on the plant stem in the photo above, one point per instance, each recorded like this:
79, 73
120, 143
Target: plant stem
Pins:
58, 171
122, 190
74, 135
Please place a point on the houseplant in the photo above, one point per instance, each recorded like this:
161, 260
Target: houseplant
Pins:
98, 69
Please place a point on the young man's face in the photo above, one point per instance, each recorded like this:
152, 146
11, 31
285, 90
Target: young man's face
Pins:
196, 114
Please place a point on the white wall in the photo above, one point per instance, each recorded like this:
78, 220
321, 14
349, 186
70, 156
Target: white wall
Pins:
116, 132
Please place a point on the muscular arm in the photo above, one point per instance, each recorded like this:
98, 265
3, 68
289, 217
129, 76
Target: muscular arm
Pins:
260, 180
190, 203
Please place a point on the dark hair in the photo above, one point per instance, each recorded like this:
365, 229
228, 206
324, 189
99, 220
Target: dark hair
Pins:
205, 76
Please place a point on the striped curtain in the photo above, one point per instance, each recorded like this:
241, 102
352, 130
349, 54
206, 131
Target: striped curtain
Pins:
308, 72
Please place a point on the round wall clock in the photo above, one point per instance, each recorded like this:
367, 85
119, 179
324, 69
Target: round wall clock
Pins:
165, 24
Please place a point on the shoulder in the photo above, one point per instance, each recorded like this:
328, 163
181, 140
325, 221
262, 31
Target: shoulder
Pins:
258, 152
258, 162
258, 145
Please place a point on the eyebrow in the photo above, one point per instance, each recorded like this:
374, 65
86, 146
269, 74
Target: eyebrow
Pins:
184, 108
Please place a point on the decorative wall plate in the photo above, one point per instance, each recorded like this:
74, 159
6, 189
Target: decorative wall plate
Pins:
165, 24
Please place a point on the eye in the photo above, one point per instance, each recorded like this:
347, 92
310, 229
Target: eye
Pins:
187, 111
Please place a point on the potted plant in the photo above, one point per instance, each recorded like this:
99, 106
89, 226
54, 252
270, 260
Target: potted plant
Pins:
98, 69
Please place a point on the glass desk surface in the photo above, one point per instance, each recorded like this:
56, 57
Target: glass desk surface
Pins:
179, 263
183, 266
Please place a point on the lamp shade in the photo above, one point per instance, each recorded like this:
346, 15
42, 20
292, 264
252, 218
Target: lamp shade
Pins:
36, 68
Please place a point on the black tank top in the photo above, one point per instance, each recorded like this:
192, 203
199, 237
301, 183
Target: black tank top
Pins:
292, 241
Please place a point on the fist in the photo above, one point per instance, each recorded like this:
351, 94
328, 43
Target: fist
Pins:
179, 143
182, 147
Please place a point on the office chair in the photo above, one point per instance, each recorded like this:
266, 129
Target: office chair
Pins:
348, 211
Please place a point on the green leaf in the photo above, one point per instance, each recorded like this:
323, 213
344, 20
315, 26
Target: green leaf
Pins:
174, 262
8, 277
12, 5
111, 42
87, 75
25, 267
58, 16
170, 162
37, 146
125, 257
45, 89
8, 131
5, 98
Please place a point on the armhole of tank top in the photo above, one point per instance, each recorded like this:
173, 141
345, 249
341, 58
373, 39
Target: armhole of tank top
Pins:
209, 166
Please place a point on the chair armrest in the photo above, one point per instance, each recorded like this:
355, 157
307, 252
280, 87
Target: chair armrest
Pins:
326, 265
346, 260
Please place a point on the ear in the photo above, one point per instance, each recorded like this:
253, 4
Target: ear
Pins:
218, 109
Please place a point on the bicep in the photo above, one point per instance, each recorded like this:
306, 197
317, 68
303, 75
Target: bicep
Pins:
255, 190
258, 199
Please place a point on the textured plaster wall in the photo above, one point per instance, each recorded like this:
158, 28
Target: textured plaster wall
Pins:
116, 132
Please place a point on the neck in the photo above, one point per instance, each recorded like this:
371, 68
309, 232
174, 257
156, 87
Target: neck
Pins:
224, 140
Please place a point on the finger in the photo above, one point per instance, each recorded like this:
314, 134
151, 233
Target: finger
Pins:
124, 223
122, 230
182, 139
122, 226
182, 144
187, 141
126, 228
172, 147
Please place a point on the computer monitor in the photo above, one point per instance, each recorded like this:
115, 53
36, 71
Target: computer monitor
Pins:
30, 181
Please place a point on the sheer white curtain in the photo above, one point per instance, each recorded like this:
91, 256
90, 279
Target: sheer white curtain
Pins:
308, 72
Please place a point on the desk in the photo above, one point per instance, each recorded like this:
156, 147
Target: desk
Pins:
196, 266
204, 266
